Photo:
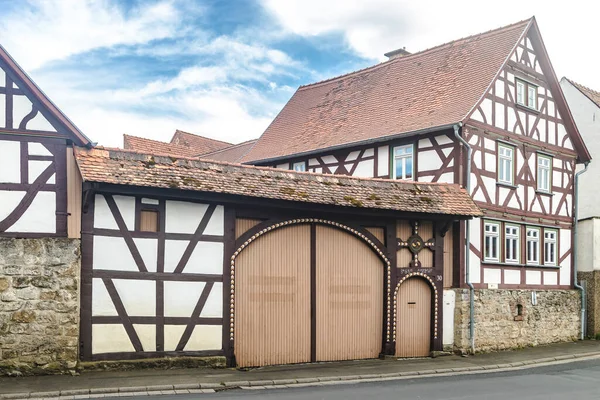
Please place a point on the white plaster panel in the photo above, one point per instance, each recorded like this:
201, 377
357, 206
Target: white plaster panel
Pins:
365, 169
214, 303
36, 168
112, 253
519, 53
486, 106
2, 106
126, 206
207, 258
352, 156
511, 78
9, 200
312, 162
423, 143
491, 275
283, 166
319, 170
512, 277
146, 200
499, 89
530, 121
514, 201
173, 334
216, 224
426, 179
474, 268
551, 132
383, 160
490, 185
536, 206
538, 68
447, 177
183, 217
148, 249
40, 123
522, 118
103, 218
489, 144
443, 139
447, 152
181, 298
10, 161
550, 104
502, 193
477, 116
21, 107
475, 241
533, 277
490, 162
499, 115
205, 337
348, 166
513, 57
477, 194
40, 217
550, 278
476, 159
511, 120
449, 301
38, 149
546, 203
329, 159
369, 153
110, 339
102, 304
138, 297
147, 335
429, 161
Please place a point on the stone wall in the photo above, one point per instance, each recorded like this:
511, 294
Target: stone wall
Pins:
39, 305
591, 279
555, 318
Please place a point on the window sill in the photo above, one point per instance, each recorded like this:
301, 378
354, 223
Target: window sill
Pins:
504, 264
544, 193
527, 108
508, 185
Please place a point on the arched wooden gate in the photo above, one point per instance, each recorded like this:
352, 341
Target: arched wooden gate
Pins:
413, 318
307, 292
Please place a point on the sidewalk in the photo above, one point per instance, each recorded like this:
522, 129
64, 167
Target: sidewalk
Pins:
175, 380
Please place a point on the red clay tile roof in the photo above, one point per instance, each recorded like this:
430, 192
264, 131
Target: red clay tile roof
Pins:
200, 144
132, 168
425, 90
231, 153
156, 147
593, 95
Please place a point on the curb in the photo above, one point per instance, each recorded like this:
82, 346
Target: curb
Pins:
195, 388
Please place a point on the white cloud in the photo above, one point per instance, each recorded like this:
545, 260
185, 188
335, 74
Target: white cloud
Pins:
45, 31
374, 27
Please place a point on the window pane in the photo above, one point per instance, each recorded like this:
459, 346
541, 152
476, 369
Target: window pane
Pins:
520, 93
399, 168
531, 97
409, 167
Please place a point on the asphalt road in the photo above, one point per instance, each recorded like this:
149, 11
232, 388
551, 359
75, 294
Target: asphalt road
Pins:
578, 380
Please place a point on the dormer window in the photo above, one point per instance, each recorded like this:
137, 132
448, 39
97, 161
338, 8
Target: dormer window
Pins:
526, 94
299, 166
402, 162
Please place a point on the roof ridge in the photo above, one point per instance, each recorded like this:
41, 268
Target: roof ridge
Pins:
583, 86
270, 169
419, 53
233, 146
200, 136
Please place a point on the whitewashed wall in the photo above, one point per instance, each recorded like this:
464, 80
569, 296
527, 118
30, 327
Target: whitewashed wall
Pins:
139, 296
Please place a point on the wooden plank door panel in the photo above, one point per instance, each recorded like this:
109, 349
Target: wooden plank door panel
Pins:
413, 338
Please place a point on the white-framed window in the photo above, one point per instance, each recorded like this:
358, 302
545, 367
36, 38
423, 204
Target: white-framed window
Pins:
533, 245
402, 162
511, 244
491, 241
550, 247
527, 94
544, 173
506, 155
299, 166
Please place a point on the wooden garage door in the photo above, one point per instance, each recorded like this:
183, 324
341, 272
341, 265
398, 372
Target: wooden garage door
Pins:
349, 297
413, 319
272, 307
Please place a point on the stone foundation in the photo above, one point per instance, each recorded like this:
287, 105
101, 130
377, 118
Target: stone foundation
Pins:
498, 325
591, 280
39, 305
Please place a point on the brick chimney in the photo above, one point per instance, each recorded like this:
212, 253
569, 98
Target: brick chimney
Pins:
396, 53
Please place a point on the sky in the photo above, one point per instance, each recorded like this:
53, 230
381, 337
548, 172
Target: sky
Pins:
224, 69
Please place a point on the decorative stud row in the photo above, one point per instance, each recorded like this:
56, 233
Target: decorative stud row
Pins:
306, 221
435, 307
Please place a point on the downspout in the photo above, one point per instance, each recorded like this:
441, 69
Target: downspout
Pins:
467, 243
575, 253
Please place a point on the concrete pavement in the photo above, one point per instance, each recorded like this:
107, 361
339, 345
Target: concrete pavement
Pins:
203, 380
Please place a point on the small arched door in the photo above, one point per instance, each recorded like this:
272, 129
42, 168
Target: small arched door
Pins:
413, 319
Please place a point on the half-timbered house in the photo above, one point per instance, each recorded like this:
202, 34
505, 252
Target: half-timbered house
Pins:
585, 106
486, 112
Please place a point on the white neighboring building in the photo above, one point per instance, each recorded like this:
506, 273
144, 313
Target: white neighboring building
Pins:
585, 107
